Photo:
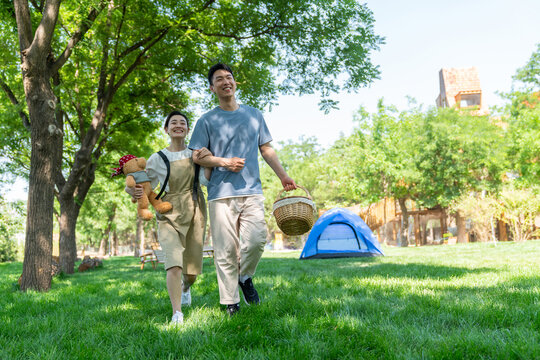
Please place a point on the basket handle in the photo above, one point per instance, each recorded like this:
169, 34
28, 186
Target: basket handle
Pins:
298, 186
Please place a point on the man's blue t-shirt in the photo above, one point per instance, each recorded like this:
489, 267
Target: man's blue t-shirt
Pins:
230, 134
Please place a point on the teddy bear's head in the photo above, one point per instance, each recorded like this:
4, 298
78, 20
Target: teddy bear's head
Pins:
129, 164
134, 165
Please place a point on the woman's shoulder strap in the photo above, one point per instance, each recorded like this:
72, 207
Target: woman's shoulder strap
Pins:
168, 165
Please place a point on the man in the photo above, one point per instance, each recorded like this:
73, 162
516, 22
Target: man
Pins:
235, 134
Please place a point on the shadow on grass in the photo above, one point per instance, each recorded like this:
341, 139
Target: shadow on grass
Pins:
333, 308
370, 266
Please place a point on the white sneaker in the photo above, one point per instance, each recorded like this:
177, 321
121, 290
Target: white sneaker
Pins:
186, 297
177, 318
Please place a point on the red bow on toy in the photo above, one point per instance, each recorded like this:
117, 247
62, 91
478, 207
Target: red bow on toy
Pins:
124, 159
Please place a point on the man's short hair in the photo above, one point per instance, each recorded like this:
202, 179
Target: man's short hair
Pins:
216, 67
173, 113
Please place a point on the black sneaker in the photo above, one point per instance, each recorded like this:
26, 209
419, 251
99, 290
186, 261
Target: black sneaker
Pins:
232, 309
248, 290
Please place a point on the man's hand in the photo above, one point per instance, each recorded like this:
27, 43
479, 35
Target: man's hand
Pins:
234, 164
201, 153
288, 183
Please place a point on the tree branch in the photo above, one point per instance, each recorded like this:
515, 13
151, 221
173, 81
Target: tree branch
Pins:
59, 180
85, 25
111, 130
139, 60
98, 152
24, 24
208, 3
138, 44
118, 31
37, 6
45, 30
104, 60
268, 30
68, 119
149, 38
14, 101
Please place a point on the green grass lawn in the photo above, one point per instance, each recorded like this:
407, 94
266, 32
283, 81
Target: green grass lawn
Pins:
451, 302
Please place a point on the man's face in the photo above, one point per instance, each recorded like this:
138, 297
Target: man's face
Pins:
223, 84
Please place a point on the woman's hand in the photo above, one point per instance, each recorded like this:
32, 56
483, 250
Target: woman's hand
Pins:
136, 192
201, 153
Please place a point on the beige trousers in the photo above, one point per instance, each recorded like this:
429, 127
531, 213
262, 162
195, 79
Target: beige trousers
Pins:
238, 236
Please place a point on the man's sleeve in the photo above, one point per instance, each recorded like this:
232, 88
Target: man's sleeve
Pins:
264, 133
199, 137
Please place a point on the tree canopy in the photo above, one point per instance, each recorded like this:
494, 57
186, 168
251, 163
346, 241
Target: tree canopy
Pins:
96, 76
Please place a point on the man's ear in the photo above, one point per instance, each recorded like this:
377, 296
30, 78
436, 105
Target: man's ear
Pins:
212, 89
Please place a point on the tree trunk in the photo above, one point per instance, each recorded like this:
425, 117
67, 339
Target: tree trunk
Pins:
69, 212
404, 231
444, 225
379, 239
35, 48
461, 230
503, 236
39, 222
423, 225
103, 245
70, 207
115, 243
139, 237
107, 233
417, 235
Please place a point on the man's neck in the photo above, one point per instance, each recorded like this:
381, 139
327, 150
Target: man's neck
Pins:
228, 104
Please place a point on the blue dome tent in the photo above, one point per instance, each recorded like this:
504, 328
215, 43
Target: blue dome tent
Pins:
340, 233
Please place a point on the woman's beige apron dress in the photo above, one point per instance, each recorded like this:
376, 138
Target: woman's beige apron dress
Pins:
181, 231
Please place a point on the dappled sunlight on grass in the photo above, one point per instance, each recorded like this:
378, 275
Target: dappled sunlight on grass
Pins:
472, 301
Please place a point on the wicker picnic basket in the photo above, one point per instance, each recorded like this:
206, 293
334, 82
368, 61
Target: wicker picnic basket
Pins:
294, 214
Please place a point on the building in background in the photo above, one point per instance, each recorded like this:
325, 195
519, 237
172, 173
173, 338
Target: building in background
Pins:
461, 88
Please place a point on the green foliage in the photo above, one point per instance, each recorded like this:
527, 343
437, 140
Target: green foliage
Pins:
141, 59
519, 209
12, 217
339, 182
483, 211
106, 202
389, 143
457, 152
529, 74
522, 115
473, 301
524, 145
432, 157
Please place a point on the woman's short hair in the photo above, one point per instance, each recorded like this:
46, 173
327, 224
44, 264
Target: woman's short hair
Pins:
173, 113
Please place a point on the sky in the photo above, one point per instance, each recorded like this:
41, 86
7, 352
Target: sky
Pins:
497, 37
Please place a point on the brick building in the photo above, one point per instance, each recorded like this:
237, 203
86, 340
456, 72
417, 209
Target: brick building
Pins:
460, 88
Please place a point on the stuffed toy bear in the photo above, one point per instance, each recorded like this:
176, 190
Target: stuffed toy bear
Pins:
135, 170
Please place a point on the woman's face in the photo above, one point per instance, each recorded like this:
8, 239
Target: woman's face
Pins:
178, 127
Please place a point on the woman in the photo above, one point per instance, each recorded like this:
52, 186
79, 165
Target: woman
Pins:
181, 230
